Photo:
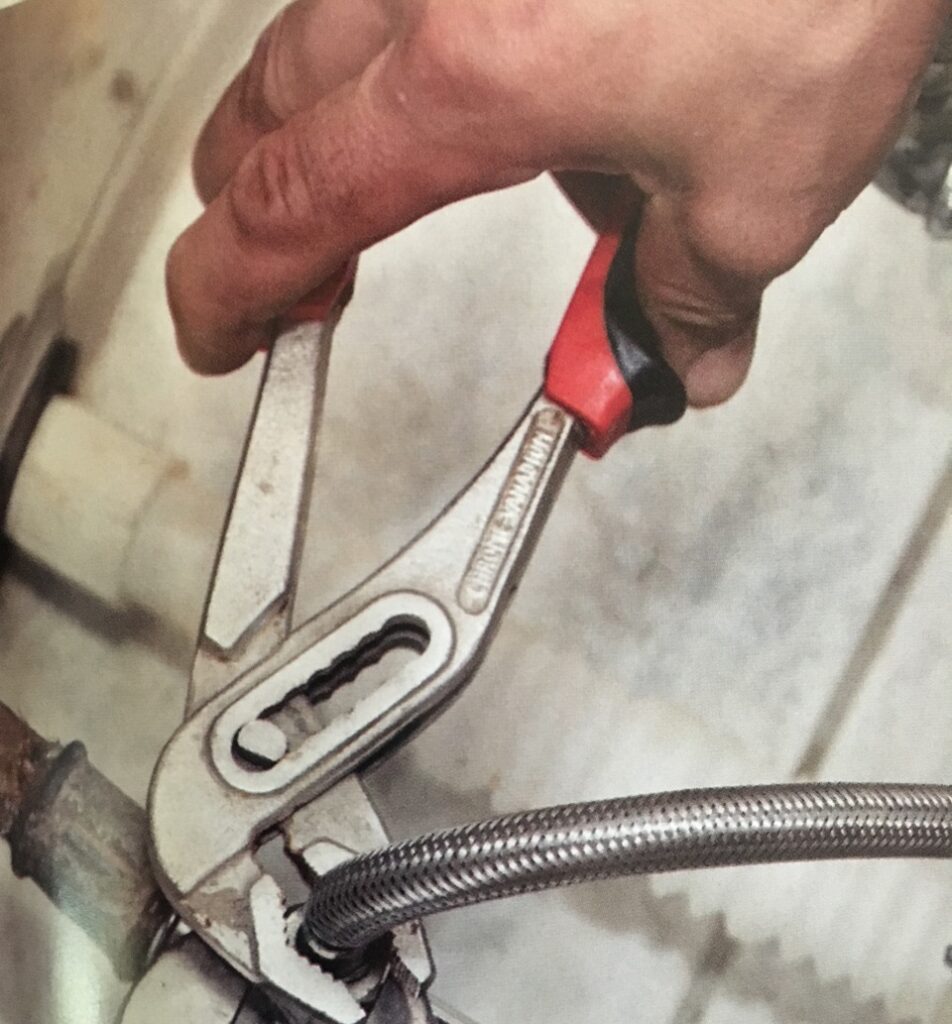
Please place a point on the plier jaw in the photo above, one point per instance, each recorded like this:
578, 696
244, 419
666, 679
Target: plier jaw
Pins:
258, 756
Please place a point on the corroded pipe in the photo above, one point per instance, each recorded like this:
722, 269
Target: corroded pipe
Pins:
25, 757
82, 840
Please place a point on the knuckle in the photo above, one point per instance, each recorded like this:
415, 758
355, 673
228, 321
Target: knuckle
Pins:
271, 196
464, 77
752, 240
438, 75
686, 309
449, 68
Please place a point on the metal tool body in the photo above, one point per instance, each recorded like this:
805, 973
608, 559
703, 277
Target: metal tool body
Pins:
442, 595
257, 759
247, 619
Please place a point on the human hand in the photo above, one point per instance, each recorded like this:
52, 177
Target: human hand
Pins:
747, 127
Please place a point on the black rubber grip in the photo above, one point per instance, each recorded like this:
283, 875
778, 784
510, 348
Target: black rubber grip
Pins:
657, 394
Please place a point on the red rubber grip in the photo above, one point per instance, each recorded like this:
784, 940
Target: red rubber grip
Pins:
582, 374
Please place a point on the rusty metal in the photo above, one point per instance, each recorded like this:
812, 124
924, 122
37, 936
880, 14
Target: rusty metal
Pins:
82, 840
25, 759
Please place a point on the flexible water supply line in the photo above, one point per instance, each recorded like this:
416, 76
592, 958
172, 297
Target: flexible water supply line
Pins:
364, 898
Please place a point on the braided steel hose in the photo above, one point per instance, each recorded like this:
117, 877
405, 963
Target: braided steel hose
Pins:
366, 897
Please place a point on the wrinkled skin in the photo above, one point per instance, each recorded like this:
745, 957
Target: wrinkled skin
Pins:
747, 127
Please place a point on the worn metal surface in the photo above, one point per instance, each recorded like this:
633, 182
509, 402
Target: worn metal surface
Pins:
451, 583
25, 759
188, 984
251, 596
82, 840
256, 571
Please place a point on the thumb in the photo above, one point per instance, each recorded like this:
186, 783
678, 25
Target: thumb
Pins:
349, 171
705, 315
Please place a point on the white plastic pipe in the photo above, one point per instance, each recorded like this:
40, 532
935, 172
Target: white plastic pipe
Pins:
114, 517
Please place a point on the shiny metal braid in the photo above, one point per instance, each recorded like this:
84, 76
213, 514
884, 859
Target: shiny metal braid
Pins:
366, 897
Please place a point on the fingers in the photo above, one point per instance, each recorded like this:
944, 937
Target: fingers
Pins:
307, 52
334, 179
705, 314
